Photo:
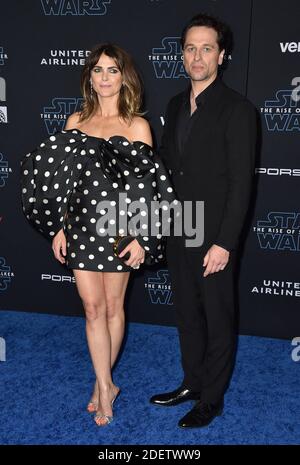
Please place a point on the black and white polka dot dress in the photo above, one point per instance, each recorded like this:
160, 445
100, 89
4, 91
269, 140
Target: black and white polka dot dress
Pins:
74, 181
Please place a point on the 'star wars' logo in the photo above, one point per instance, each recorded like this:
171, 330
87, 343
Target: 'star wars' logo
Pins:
159, 288
279, 232
167, 60
5, 275
75, 7
283, 113
56, 115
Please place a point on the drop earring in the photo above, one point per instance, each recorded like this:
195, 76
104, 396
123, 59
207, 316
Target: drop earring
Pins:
91, 89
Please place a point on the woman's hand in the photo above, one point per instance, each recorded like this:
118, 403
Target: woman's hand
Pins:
59, 246
137, 254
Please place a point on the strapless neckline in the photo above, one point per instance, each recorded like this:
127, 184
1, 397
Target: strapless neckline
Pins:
110, 139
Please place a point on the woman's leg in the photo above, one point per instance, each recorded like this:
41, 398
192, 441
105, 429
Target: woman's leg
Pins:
102, 295
115, 285
90, 287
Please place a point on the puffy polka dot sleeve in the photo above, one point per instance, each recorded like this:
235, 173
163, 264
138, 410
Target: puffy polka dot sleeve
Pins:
49, 174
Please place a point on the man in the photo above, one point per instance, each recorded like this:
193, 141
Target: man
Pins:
209, 147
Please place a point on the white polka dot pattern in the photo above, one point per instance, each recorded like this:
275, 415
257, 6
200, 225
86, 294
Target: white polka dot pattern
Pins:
69, 173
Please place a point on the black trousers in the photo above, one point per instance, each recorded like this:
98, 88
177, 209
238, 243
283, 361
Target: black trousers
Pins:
205, 319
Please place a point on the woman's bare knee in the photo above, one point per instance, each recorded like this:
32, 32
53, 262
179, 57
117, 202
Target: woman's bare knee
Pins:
94, 310
114, 307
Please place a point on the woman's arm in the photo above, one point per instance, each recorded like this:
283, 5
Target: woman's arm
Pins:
59, 243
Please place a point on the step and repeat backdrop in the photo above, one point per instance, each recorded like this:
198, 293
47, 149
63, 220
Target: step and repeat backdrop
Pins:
43, 46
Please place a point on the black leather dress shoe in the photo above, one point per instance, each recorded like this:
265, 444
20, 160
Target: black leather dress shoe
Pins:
175, 397
201, 415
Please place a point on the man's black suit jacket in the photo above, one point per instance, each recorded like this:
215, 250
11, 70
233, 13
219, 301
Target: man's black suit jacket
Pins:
216, 164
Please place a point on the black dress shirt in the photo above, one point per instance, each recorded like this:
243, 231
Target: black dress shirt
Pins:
185, 119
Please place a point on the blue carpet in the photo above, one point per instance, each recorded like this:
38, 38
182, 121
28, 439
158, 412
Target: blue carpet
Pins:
47, 379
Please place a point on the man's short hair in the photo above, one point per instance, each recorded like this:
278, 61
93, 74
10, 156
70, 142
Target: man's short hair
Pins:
222, 30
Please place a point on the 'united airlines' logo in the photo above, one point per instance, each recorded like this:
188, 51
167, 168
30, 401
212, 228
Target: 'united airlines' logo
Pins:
159, 288
5, 170
277, 288
280, 231
75, 7
65, 57
167, 59
283, 112
5, 274
55, 116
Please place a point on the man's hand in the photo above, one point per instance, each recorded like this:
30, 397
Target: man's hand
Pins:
59, 246
215, 260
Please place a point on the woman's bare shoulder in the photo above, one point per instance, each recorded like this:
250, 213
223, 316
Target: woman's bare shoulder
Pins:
140, 130
140, 123
73, 121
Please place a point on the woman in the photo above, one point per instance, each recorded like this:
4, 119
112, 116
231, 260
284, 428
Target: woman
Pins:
104, 150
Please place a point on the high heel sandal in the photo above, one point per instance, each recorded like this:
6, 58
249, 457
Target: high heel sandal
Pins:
108, 419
